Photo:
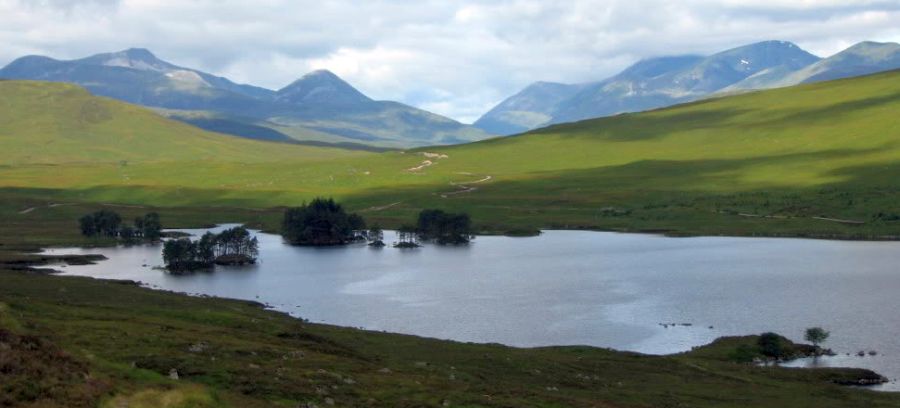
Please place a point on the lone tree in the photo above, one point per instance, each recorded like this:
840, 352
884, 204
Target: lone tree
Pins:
321, 222
816, 335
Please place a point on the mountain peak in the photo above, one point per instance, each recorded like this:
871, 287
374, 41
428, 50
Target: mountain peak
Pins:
322, 73
768, 47
141, 54
321, 87
134, 58
872, 48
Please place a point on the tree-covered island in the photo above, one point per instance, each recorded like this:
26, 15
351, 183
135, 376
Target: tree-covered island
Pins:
233, 246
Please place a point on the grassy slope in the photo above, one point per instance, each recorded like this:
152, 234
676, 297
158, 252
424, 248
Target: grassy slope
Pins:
44, 123
827, 149
115, 343
256, 358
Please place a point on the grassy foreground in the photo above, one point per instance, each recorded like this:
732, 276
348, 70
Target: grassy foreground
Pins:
814, 160
79, 342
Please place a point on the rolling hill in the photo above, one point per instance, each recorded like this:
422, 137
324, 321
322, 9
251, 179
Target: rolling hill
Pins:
660, 82
319, 107
53, 123
817, 159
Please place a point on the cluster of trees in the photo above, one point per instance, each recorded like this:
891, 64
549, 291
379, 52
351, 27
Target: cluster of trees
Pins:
106, 223
234, 246
325, 222
444, 228
407, 237
436, 226
777, 347
322, 222
375, 236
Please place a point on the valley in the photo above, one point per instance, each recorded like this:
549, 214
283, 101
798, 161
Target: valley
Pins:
790, 158
715, 158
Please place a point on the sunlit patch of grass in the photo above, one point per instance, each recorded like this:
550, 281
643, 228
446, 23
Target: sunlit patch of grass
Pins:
189, 396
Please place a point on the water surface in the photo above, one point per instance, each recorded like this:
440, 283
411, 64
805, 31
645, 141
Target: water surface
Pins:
571, 287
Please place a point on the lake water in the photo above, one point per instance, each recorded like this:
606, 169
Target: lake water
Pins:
571, 287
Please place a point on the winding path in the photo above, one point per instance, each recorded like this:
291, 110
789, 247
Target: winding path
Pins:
465, 187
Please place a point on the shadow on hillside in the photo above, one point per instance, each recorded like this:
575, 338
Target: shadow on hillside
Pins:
831, 113
644, 126
649, 125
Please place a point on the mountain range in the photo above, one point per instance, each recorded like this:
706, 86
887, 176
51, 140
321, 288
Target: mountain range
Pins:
318, 108
659, 82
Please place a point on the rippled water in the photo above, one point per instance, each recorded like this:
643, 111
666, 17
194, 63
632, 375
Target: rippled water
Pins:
571, 287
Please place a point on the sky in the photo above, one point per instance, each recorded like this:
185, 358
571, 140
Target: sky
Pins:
455, 58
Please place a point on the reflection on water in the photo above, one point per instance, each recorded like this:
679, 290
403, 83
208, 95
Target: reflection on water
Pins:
571, 287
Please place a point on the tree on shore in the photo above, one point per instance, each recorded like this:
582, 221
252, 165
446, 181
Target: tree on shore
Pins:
816, 335
148, 226
772, 345
321, 222
106, 223
101, 223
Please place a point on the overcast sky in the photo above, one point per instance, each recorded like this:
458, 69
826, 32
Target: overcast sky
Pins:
456, 58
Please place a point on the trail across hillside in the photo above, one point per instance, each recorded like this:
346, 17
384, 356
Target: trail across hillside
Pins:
466, 187
381, 207
31, 209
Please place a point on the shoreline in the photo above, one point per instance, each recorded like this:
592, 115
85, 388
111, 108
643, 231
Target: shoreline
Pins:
282, 309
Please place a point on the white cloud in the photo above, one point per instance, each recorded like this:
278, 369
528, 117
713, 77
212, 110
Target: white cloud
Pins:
455, 58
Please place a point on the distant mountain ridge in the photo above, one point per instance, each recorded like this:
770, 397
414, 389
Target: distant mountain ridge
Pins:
660, 82
319, 107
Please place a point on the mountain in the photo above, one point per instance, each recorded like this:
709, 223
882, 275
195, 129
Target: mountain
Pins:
321, 87
531, 107
861, 59
329, 105
660, 82
137, 76
45, 122
318, 107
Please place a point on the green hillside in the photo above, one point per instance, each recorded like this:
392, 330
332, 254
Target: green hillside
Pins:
761, 163
52, 123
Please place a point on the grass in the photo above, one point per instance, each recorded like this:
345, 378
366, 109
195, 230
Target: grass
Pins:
764, 163
119, 343
53, 123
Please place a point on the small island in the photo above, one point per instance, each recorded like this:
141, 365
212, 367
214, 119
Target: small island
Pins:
322, 222
444, 228
234, 246
436, 226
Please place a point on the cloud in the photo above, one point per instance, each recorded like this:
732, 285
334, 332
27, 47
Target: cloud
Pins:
455, 58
